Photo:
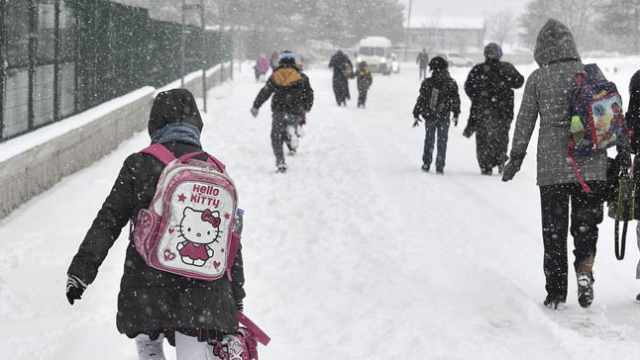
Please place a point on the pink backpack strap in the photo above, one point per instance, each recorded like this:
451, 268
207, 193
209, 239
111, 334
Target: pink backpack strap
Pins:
258, 334
159, 152
163, 154
211, 159
574, 166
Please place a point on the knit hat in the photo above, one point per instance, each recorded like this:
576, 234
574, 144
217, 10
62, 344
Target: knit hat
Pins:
287, 57
438, 63
493, 51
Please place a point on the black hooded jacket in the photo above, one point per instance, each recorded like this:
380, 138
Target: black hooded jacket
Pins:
490, 87
438, 97
153, 301
292, 92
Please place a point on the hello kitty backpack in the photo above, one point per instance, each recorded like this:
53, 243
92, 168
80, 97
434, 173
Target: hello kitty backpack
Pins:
188, 227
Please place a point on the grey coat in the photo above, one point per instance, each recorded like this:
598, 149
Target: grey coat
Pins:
548, 93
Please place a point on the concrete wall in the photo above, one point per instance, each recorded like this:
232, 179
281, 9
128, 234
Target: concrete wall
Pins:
37, 169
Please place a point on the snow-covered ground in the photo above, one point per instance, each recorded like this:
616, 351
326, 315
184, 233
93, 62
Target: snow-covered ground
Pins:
354, 253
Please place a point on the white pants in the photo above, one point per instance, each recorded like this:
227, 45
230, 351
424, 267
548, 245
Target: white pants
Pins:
187, 348
638, 240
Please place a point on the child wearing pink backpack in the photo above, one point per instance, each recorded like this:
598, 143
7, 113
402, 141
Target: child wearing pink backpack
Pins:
156, 301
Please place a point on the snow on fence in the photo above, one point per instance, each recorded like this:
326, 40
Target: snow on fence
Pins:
34, 162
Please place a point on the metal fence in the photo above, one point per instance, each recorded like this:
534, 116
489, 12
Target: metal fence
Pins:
61, 57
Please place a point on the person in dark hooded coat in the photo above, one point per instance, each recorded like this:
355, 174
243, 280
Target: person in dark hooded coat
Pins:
342, 70
547, 95
438, 99
292, 98
490, 87
364, 81
153, 304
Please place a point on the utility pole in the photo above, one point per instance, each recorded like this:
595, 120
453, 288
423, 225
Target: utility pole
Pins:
182, 41
203, 54
204, 57
406, 47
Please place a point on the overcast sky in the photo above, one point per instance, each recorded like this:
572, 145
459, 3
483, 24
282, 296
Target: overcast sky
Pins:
462, 8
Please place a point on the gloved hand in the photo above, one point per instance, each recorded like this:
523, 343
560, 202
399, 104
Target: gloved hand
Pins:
416, 121
254, 112
467, 132
454, 120
75, 288
512, 167
239, 305
623, 160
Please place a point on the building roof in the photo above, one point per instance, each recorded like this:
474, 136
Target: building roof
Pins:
466, 23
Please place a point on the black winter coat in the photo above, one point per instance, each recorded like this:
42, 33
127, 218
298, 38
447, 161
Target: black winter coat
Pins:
364, 79
292, 92
633, 112
342, 66
153, 301
490, 87
438, 97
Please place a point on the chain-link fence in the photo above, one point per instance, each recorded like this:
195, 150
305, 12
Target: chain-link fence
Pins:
61, 57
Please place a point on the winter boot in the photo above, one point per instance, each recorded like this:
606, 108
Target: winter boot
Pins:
425, 168
585, 289
584, 272
281, 167
638, 298
439, 170
554, 302
292, 138
486, 171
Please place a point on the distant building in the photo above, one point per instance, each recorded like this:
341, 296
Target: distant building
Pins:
446, 34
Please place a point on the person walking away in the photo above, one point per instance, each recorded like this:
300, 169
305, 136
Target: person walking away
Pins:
342, 68
263, 67
423, 61
547, 93
633, 120
438, 99
364, 81
490, 87
155, 304
292, 97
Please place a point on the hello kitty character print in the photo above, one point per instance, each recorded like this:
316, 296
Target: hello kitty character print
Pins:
188, 228
200, 230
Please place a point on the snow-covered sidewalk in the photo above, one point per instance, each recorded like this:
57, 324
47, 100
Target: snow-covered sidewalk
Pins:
353, 253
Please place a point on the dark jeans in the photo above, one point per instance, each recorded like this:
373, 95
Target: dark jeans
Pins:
362, 97
279, 132
441, 128
586, 214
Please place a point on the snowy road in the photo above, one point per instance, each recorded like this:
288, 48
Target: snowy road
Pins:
354, 253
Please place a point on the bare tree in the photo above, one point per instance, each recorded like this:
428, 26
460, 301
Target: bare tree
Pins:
578, 15
501, 26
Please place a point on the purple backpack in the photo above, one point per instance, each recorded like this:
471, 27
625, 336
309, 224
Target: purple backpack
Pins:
188, 227
597, 119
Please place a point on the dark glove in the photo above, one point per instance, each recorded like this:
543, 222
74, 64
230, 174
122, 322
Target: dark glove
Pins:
623, 160
416, 121
454, 120
254, 112
468, 132
512, 167
239, 305
75, 288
